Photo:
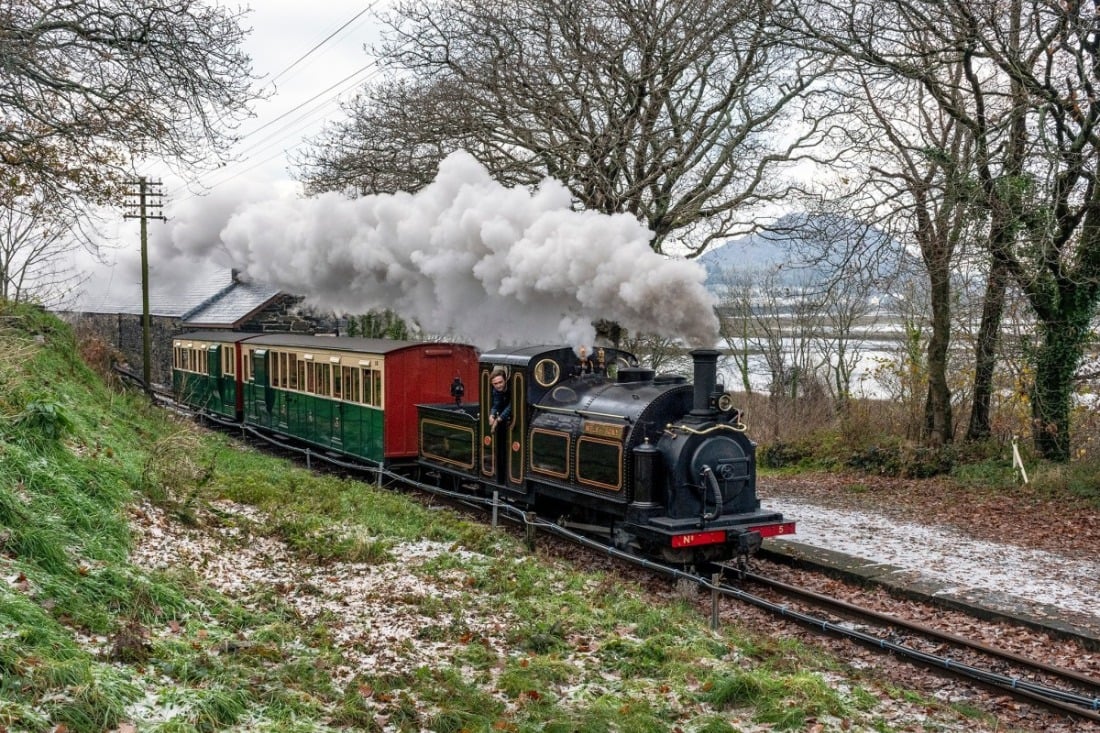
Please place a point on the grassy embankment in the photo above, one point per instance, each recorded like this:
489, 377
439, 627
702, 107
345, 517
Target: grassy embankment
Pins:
91, 642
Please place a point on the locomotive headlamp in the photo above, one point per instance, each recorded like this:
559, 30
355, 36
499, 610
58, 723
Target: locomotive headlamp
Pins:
725, 402
457, 390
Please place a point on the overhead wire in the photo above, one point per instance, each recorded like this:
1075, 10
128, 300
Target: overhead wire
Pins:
320, 43
285, 128
290, 129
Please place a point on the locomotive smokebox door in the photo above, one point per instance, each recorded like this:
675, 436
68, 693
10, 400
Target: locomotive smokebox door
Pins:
727, 461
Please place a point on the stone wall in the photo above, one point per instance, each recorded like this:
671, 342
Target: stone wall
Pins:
122, 331
286, 314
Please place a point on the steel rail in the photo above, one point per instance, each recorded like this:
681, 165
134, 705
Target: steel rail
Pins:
889, 619
1071, 703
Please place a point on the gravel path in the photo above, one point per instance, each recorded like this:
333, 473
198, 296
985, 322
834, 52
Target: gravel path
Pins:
948, 555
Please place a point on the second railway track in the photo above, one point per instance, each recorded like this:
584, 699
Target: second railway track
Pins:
1064, 690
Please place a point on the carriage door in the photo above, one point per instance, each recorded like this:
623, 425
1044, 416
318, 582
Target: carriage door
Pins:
502, 452
214, 369
517, 429
488, 447
260, 377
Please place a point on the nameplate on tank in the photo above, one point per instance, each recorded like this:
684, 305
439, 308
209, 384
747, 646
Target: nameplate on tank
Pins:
603, 430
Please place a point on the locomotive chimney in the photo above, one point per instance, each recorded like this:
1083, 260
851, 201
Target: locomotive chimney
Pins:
706, 381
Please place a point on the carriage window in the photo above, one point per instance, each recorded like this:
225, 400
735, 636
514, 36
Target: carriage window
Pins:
372, 386
229, 364
550, 452
300, 380
599, 463
182, 358
350, 379
291, 370
285, 365
320, 378
249, 374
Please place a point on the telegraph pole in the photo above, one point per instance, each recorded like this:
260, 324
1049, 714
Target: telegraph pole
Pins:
146, 200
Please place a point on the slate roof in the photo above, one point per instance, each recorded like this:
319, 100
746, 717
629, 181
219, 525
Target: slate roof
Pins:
233, 304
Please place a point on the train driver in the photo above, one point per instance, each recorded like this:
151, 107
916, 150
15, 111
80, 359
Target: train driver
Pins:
500, 406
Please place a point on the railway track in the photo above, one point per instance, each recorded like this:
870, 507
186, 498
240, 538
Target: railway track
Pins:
1034, 681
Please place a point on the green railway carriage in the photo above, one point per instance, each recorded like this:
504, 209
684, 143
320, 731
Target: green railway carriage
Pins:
205, 369
351, 395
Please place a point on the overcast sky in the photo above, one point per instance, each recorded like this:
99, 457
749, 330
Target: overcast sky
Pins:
311, 56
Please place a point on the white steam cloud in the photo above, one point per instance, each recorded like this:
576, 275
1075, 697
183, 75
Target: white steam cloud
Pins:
469, 257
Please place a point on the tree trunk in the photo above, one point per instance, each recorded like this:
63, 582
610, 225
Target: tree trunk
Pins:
1056, 360
938, 427
985, 358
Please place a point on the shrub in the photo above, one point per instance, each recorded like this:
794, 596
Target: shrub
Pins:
783, 455
903, 461
43, 421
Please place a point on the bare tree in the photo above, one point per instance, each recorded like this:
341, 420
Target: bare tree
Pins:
656, 351
735, 322
1019, 77
905, 373
922, 170
682, 114
773, 318
86, 87
35, 235
855, 267
906, 166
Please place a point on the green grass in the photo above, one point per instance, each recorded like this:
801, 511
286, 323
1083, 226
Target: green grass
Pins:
785, 701
519, 642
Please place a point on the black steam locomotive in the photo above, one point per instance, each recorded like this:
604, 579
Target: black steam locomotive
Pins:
660, 466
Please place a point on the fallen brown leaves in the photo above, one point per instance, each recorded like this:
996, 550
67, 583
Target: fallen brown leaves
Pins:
1019, 516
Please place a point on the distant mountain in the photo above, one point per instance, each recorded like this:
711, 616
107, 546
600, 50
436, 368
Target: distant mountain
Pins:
752, 254
803, 250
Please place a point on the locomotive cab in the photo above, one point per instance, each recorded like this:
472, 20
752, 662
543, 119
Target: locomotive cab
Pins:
517, 450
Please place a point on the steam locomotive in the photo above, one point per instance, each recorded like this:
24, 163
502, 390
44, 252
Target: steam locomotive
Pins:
658, 466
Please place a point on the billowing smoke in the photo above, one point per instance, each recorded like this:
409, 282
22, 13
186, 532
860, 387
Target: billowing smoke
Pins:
468, 257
